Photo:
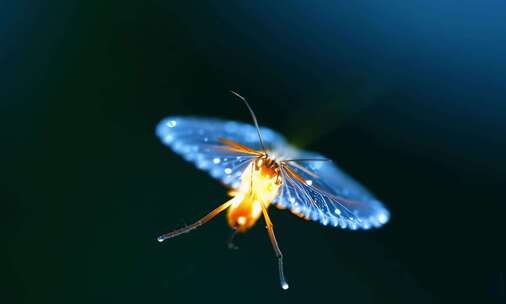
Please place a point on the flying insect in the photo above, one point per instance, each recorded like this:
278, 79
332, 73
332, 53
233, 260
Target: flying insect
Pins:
262, 169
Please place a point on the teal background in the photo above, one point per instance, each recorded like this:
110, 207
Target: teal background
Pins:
406, 96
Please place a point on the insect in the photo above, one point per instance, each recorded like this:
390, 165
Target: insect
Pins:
262, 169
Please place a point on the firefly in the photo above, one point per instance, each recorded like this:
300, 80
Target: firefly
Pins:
261, 169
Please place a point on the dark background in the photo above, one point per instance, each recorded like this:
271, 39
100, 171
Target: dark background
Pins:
407, 96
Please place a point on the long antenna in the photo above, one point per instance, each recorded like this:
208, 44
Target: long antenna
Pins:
254, 119
308, 160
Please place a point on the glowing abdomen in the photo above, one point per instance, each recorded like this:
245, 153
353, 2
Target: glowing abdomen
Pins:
244, 215
257, 189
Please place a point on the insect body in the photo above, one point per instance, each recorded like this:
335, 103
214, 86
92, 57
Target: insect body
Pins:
261, 173
259, 186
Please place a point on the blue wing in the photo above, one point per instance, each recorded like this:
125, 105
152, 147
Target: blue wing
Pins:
328, 195
197, 140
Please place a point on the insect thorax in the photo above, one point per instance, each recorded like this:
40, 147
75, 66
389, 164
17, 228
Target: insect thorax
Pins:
268, 168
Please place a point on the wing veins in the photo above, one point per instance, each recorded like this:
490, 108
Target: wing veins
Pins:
301, 189
323, 194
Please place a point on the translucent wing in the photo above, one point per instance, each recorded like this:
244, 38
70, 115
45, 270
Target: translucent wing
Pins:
198, 141
320, 191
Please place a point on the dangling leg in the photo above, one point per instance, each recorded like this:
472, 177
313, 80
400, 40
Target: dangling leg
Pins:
230, 242
279, 255
198, 223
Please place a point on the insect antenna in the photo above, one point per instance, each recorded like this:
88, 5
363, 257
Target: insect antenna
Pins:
254, 120
307, 160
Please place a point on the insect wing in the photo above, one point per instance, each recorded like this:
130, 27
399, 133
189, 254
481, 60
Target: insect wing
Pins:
200, 141
322, 192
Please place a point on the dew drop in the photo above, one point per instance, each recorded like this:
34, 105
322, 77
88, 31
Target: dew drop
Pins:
228, 170
171, 123
216, 160
382, 218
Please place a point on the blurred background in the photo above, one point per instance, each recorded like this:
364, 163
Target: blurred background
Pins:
407, 96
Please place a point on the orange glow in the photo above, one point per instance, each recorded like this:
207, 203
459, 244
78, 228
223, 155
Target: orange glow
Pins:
258, 187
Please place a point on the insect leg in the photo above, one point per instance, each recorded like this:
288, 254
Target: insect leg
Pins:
230, 242
274, 242
305, 170
198, 223
236, 147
